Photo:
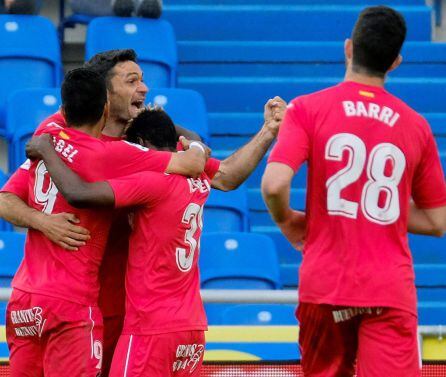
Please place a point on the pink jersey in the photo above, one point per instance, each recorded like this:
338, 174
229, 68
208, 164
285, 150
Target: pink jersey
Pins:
48, 269
112, 270
368, 153
162, 281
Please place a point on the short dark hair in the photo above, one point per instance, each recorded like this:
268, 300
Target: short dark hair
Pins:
154, 126
104, 62
84, 96
377, 38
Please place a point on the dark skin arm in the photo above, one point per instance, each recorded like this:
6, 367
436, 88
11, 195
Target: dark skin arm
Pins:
235, 169
188, 134
82, 194
76, 191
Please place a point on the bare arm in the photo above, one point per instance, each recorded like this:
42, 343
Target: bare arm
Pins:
427, 221
188, 134
235, 169
76, 191
190, 163
59, 228
276, 185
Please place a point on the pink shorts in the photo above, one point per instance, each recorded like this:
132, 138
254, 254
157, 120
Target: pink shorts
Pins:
178, 354
52, 337
382, 341
112, 332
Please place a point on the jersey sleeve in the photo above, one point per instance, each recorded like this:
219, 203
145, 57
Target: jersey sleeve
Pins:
211, 167
138, 189
293, 143
124, 158
429, 186
17, 184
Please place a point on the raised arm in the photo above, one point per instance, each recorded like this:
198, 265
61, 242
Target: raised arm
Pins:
190, 163
188, 134
235, 169
75, 190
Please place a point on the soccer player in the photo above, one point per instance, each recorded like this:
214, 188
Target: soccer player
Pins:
126, 92
165, 321
368, 153
53, 323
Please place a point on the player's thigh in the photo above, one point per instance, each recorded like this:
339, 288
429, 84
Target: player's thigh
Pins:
328, 346
112, 332
164, 355
74, 348
388, 345
23, 337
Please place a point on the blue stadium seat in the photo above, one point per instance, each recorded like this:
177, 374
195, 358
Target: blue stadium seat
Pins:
235, 95
226, 211
4, 225
11, 254
238, 260
430, 280
296, 59
40, 103
443, 160
153, 40
298, 22
29, 57
2, 314
259, 314
431, 313
427, 250
186, 108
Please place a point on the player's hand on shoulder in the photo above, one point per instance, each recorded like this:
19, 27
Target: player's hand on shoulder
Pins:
186, 143
61, 228
274, 113
294, 228
37, 146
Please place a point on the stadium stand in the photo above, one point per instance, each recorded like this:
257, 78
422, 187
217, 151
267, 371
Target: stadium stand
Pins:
430, 280
29, 57
11, 254
427, 250
3, 224
20, 125
227, 211
238, 260
237, 57
186, 108
262, 315
255, 22
153, 40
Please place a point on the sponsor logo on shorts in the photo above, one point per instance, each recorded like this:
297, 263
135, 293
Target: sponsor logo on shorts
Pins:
31, 319
348, 313
188, 357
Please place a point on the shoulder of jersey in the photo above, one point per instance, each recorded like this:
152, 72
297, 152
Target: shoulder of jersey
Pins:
134, 145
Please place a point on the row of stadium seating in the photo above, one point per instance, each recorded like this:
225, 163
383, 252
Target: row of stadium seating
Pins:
249, 261
237, 58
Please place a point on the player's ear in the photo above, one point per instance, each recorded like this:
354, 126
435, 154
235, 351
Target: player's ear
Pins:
396, 63
348, 50
62, 111
107, 109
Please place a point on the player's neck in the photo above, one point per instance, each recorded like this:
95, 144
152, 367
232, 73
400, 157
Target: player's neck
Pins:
93, 131
113, 129
362, 78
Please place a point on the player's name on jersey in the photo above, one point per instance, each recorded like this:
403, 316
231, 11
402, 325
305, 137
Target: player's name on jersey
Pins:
198, 184
371, 110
